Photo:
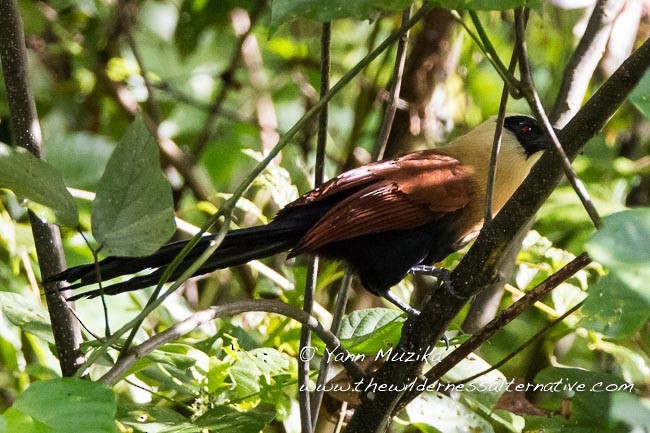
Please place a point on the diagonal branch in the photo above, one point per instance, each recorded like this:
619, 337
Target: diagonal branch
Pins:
585, 59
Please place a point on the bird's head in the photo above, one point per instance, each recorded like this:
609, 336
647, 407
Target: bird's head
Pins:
527, 132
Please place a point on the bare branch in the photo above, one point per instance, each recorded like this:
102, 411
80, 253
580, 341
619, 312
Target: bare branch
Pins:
26, 133
309, 407
394, 92
585, 59
525, 344
227, 78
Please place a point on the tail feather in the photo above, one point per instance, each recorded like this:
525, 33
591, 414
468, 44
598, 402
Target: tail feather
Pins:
238, 247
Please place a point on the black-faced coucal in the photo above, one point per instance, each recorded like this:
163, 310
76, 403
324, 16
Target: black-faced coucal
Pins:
384, 218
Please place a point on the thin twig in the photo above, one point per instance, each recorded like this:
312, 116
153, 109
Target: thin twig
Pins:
530, 93
188, 409
304, 396
308, 408
496, 145
394, 92
267, 118
201, 317
98, 273
339, 422
152, 105
227, 80
484, 44
339, 310
524, 345
226, 113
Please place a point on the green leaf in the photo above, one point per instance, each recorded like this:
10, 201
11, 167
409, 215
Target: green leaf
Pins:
487, 5
133, 212
371, 330
613, 309
245, 375
283, 11
28, 315
640, 96
558, 424
623, 246
618, 305
39, 184
224, 419
269, 361
68, 405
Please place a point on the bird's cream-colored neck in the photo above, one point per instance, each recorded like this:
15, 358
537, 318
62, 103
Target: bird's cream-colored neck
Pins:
474, 150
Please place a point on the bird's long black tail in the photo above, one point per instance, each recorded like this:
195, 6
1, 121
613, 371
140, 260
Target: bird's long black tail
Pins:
238, 247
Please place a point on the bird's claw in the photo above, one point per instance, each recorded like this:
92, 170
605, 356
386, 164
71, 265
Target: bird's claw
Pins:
443, 275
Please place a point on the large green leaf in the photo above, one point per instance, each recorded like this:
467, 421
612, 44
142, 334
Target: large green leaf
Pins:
371, 330
623, 246
39, 184
66, 405
283, 11
133, 212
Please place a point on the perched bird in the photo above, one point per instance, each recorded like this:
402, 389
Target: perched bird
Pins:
385, 218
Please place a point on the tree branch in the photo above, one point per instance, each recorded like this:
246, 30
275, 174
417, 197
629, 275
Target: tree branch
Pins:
26, 132
585, 59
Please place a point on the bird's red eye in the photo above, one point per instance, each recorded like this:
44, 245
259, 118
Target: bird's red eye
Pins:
526, 129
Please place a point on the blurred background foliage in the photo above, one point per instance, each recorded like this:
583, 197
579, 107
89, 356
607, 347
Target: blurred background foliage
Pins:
263, 70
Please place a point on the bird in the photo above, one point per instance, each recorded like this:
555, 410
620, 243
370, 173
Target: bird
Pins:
385, 219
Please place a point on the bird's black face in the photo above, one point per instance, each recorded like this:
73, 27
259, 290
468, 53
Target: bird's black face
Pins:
528, 133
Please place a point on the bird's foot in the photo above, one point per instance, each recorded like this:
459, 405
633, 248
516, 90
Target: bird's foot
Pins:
443, 275
412, 312
445, 339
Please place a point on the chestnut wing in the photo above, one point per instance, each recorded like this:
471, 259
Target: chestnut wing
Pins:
399, 194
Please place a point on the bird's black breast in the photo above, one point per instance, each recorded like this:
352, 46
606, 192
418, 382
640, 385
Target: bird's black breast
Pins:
383, 259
